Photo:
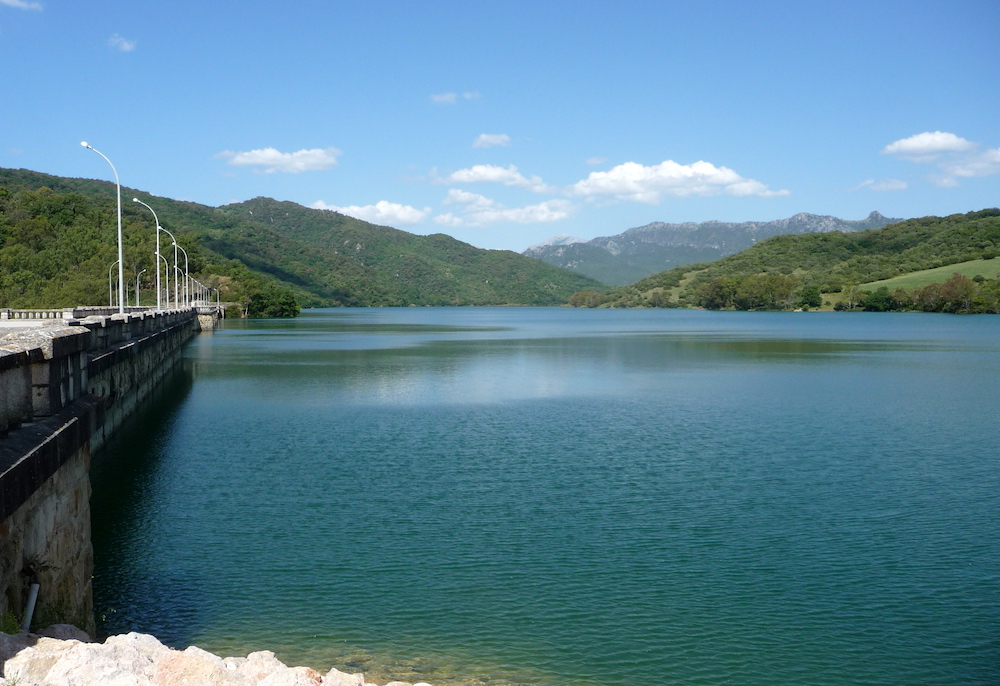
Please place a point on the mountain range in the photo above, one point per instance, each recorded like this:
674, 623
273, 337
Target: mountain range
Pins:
639, 252
58, 238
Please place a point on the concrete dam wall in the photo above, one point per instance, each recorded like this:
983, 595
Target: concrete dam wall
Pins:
65, 387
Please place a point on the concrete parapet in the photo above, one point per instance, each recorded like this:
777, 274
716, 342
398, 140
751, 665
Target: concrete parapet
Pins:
64, 389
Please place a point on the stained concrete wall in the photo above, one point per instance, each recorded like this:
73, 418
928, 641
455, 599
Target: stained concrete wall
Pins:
63, 390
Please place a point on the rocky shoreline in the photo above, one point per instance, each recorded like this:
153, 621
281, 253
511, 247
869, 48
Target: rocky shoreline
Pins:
62, 655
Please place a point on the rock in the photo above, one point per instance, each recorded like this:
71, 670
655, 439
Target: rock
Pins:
12, 644
66, 632
234, 662
141, 660
33, 663
260, 665
196, 666
293, 676
337, 678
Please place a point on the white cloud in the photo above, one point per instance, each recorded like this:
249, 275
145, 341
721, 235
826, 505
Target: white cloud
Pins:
270, 160
979, 164
478, 210
118, 43
883, 185
925, 147
488, 140
452, 98
490, 173
956, 157
470, 200
639, 183
943, 180
596, 160
22, 5
448, 219
382, 212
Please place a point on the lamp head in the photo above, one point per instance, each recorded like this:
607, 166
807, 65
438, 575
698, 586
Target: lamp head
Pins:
135, 199
84, 144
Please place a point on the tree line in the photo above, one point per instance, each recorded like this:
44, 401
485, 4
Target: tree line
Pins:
57, 249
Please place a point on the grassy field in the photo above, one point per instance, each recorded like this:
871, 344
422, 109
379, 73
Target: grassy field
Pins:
988, 268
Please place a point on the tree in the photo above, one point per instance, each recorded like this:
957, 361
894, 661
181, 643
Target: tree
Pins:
811, 297
880, 300
660, 298
765, 292
585, 299
852, 297
717, 294
272, 301
958, 292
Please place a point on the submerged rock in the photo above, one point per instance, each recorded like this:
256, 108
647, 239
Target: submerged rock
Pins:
64, 656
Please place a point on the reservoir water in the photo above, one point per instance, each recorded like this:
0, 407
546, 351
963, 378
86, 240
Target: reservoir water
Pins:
557, 496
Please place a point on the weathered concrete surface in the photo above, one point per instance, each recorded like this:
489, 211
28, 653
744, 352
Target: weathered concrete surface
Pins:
49, 536
63, 390
141, 660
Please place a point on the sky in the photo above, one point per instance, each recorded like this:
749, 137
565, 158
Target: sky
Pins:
505, 123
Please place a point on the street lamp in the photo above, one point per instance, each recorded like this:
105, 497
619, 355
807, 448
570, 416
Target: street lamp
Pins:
177, 302
137, 286
111, 297
121, 262
187, 279
166, 273
157, 220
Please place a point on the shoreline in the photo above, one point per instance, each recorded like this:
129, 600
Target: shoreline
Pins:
62, 655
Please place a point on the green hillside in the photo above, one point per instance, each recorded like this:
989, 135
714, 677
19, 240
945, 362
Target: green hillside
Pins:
989, 269
789, 271
58, 240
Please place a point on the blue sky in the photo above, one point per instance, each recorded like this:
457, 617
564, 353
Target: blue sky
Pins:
505, 123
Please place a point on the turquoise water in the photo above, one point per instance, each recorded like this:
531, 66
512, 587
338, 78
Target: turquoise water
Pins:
558, 496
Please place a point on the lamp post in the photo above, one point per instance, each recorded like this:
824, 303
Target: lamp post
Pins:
177, 302
166, 273
121, 262
111, 297
157, 221
137, 286
187, 279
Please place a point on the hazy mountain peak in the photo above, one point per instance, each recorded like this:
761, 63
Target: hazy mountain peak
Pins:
644, 250
561, 239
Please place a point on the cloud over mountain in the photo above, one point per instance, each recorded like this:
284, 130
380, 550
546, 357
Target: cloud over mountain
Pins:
383, 212
477, 210
270, 160
649, 184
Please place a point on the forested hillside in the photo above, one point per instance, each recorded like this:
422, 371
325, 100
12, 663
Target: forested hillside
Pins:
58, 242
796, 270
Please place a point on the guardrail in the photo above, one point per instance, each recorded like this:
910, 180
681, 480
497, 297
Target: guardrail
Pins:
66, 313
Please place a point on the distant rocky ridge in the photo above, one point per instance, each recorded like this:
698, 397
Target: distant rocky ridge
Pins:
64, 656
645, 250
561, 239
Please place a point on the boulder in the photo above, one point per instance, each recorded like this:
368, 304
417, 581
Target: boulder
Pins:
66, 632
141, 660
337, 678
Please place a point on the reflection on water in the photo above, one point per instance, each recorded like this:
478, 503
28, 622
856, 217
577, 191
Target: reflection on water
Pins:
562, 496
